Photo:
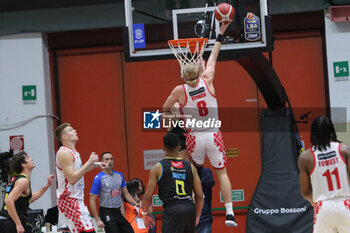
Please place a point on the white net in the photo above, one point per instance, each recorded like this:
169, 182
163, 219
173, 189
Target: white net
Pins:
188, 52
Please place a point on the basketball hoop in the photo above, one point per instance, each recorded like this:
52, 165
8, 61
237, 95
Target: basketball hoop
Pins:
188, 51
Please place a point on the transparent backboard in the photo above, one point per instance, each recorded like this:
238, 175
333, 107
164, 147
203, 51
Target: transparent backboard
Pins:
151, 23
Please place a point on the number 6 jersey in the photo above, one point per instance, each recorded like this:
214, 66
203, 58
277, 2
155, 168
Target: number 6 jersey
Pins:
329, 176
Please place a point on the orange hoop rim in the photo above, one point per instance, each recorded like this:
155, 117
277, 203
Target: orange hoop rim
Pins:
192, 42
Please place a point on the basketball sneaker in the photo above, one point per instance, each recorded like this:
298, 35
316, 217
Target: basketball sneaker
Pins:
230, 221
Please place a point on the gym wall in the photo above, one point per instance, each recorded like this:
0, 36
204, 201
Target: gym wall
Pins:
102, 96
24, 62
338, 50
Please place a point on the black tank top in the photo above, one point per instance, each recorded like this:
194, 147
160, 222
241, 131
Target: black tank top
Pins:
22, 203
176, 181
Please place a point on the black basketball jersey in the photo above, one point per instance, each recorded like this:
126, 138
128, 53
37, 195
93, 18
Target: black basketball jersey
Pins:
22, 203
176, 181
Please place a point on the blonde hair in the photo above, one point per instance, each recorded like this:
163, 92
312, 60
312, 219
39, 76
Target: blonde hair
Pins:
190, 71
59, 131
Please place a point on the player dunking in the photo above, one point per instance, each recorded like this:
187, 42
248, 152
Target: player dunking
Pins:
197, 98
324, 178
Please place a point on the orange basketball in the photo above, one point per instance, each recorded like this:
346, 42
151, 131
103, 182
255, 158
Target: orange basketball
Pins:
224, 12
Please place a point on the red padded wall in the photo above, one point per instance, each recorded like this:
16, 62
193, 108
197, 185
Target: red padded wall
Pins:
91, 99
103, 96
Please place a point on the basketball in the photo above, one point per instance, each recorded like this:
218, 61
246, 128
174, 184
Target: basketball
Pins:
224, 12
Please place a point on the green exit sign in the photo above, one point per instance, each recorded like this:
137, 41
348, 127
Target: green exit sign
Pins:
237, 195
341, 69
156, 201
29, 92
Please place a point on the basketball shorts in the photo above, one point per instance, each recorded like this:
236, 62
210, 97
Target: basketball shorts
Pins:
200, 144
179, 218
332, 216
75, 214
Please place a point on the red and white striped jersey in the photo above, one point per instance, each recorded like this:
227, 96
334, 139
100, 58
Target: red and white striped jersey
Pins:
329, 176
201, 105
64, 188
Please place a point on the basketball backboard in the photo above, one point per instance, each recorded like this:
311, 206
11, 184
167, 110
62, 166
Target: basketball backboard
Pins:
151, 23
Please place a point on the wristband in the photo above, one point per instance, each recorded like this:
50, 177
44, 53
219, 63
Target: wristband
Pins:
143, 213
220, 38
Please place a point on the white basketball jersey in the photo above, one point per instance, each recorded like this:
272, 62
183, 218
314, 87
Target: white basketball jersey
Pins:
64, 188
329, 177
201, 105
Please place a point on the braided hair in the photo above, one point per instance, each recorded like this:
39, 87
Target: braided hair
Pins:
322, 133
135, 186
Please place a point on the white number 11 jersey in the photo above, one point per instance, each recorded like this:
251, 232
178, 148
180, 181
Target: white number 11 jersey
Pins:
329, 177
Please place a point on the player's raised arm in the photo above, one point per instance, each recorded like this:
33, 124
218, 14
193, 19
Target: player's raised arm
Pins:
209, 72
173, 98
36, 195
65, 160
